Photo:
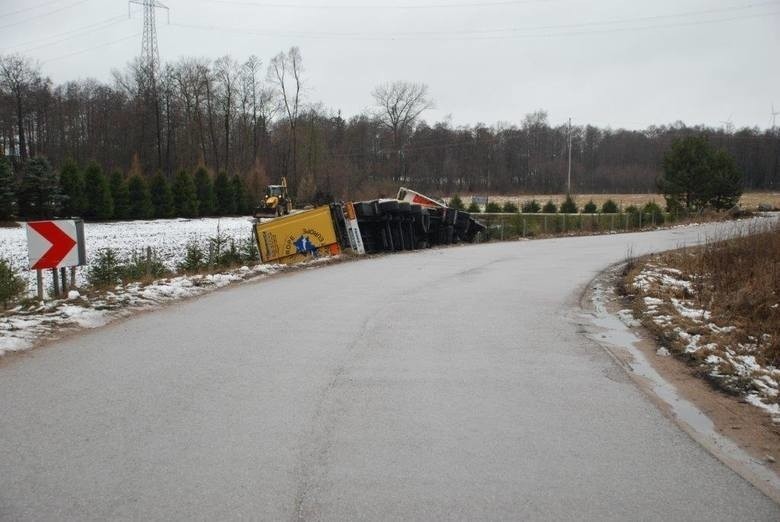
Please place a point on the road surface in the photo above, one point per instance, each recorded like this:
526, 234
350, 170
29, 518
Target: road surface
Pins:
449, 384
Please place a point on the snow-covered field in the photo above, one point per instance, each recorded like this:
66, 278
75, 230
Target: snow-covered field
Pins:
167, 237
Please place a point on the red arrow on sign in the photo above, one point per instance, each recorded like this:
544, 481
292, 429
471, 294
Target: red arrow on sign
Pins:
61, 243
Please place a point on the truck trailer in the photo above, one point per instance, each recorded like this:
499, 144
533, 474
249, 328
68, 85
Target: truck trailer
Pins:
410, 222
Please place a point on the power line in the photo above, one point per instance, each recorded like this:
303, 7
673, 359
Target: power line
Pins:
382, 6
49, 13
514, 33
25, 9
73, 33
98, 46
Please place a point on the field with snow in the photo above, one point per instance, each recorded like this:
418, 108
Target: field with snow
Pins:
167, 237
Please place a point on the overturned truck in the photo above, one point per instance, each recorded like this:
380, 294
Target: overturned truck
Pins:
410, 222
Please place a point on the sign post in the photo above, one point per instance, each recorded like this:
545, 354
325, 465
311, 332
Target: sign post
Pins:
55, 244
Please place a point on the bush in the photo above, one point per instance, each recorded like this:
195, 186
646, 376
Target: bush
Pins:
456, 203
473, 208
492, 207
653, 212
590, 207
142, 265
531, 207
249, 251
549, 207
11, 285
510, 208
609, 207
569, 206
105, 270
194, 258
230, 256
632, 209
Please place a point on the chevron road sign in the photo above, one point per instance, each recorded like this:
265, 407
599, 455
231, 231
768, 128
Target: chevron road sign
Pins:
55, 244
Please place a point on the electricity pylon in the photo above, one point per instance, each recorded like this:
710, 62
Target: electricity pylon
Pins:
150, 53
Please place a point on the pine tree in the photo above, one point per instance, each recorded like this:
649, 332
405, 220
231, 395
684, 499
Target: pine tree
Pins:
162, 196
226, 204
39, 194
140, 199
100, 205
205, 191
7, 191
456, 203
240, 196
185, 195
73, 189
121, 195
696, 175
569, 206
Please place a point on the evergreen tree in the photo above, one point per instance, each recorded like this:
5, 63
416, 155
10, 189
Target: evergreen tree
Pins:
456, 203
162, 196
492, 208
725, 181
569, 206
140, 199
696, 175
100, 205
226, 204
243, 204
121, 195
609, 207
205, 192
185, 195
73, 189
590, 207
7, 191
39, 194
531, 207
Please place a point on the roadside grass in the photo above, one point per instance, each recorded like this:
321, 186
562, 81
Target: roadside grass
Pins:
717, 306
741, 283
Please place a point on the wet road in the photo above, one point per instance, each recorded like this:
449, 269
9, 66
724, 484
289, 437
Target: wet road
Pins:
450, 384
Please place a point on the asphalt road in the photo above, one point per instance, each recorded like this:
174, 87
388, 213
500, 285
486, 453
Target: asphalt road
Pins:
450, 384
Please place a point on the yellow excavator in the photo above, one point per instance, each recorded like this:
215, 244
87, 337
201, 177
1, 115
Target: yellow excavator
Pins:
276, 203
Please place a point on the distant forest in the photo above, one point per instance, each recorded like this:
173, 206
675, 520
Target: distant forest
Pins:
255, 122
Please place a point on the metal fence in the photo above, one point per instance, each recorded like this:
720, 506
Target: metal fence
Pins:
511, 226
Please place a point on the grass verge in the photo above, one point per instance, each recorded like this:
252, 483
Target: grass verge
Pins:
717, 307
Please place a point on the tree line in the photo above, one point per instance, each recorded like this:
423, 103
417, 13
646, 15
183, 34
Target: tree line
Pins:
256, 124
39, 191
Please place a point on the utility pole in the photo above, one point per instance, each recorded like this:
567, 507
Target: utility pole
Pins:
568, 179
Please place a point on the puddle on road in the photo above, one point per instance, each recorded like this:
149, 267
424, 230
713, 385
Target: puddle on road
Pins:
613, 334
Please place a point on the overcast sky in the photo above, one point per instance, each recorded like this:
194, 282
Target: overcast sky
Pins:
619, 63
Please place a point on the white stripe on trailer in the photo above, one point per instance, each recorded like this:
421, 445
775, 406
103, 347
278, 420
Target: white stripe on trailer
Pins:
353, 230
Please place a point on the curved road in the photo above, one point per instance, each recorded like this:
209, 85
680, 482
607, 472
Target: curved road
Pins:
449, 384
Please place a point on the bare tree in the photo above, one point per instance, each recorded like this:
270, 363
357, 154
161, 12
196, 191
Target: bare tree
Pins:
227, 72
257, 103
285, 73
19, 77
400, 104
